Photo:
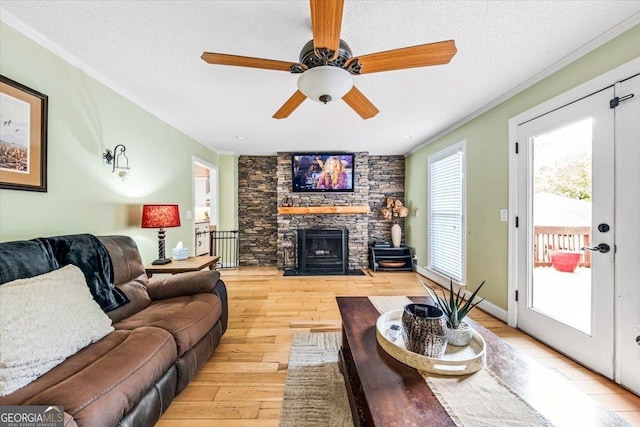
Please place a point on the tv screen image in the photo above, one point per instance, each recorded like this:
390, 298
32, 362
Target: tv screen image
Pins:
322, 172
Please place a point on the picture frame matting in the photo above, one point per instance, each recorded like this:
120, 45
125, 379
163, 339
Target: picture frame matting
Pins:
23, 137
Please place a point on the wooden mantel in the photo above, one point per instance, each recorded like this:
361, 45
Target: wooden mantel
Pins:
316, 210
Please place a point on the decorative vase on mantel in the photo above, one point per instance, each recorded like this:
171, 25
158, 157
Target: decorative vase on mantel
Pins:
396, 235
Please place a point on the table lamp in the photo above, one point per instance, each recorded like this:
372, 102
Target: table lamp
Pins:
160, 217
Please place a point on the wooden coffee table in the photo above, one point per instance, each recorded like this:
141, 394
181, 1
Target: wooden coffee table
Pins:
385, 392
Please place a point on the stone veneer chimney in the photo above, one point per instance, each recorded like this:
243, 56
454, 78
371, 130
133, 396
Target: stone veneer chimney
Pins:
261, 192
356, 224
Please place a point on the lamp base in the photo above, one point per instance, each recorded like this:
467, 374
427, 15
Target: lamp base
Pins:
162, 261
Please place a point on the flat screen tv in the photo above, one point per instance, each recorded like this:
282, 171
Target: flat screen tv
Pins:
322, 172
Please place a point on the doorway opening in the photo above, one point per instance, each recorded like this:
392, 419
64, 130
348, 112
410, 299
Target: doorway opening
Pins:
205, 205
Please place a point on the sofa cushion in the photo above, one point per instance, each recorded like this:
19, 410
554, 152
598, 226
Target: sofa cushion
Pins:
125, 258
102, 382
187, 318
138, 300
44, 320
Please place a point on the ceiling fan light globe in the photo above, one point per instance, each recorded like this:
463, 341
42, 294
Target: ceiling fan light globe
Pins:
324, 82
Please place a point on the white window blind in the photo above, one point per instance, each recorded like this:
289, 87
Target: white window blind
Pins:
446, 212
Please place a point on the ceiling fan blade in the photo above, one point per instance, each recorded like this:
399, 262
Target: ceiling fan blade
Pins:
292, 103
360, 103
407, 57
246, 61
326, 20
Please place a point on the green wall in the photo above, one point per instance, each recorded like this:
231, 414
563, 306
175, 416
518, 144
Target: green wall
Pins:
228, 176
85, 118
487, 174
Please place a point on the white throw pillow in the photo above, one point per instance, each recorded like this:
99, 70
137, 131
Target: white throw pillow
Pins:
44, 320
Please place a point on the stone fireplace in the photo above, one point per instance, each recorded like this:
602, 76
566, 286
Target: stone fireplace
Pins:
356, 225
323, 251
264, 223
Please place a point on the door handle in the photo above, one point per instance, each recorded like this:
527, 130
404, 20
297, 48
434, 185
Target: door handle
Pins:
602, 247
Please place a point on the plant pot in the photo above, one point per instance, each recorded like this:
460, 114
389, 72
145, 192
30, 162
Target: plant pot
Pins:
565, 261
424, 330
396, 235
460, 336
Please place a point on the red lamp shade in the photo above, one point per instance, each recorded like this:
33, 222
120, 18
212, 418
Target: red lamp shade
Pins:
160, 216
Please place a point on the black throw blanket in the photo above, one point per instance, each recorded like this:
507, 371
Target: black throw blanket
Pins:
25, 258
19, 260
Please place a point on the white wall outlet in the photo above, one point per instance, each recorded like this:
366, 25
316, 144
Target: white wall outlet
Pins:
188, 214
504, 215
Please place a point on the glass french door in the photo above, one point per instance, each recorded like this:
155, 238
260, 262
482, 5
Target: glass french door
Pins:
566, 230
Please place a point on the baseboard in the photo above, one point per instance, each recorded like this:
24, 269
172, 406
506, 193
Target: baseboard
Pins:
485, 305
491, 308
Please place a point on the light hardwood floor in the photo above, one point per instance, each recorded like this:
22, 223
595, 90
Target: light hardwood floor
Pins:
243, 382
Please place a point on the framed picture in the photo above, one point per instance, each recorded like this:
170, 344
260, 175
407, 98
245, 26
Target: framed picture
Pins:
23, 137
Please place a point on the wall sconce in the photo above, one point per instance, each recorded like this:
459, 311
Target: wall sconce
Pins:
119, 160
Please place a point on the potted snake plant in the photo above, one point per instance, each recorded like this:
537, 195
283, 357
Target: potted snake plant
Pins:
456, 309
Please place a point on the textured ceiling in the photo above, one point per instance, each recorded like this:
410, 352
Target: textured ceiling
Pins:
150, 52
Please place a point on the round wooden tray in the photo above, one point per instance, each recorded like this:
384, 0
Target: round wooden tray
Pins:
456, 360
392, 264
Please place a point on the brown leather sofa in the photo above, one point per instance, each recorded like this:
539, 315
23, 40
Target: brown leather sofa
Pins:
163, 335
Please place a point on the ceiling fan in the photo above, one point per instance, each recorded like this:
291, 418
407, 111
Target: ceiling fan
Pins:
327, 65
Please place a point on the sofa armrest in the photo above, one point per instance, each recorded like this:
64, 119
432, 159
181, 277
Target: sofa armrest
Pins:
195, 282
220, 289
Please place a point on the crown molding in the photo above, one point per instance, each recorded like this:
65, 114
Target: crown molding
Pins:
573, 56
228, 153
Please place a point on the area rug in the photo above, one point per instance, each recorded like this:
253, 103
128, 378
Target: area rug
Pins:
315, 393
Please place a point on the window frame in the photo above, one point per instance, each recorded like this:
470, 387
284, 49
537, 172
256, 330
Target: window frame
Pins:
440, 155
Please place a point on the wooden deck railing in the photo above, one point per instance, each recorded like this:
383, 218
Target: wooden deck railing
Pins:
547, 239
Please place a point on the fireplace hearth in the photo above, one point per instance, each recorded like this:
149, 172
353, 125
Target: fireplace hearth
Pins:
322, 251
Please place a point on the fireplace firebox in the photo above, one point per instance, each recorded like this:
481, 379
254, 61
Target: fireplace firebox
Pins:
323, 251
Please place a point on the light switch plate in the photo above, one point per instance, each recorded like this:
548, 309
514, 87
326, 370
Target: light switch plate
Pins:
504, 215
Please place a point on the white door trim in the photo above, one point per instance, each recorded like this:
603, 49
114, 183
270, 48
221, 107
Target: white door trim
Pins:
605, 80
627, 270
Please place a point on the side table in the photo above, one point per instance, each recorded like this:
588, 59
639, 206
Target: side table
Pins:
183, 266
391, 258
